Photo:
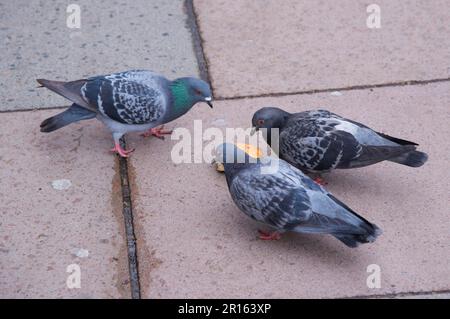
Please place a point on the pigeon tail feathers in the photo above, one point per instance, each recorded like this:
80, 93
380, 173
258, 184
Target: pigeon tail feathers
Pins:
412, 159
367, 232
353, 240
69, 90
74, 113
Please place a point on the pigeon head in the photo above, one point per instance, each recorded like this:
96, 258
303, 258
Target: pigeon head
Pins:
189, 91
269, 117
231, 155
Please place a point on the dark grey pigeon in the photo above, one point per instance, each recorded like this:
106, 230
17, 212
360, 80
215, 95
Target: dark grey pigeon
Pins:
131, 101
318, 141
287, 200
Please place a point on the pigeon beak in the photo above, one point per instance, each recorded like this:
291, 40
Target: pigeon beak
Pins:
219, 166
208, 101
254, 130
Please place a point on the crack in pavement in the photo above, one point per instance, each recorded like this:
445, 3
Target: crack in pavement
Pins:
129, 226
204, 74
401, 294
348, 88
127, 209
35, 109
197, 40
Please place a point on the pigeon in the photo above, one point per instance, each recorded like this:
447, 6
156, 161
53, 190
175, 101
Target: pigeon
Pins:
285, 199
130, 101
319, 141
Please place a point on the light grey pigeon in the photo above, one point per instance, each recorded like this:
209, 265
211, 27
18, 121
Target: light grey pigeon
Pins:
287, 200
318, 141
131, 101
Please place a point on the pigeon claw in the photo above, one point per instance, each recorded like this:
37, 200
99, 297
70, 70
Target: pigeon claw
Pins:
158, 132
263, 235
119, 150
320, 181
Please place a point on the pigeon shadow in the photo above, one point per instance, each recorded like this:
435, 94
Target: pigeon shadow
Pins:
358, 181
315, 247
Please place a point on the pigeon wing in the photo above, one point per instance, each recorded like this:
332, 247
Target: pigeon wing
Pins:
373, 147
133, 97
330, 215
70, 90
289, 200
315, 144
274, 199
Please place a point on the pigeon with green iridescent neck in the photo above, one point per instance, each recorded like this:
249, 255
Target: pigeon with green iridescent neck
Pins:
131, 101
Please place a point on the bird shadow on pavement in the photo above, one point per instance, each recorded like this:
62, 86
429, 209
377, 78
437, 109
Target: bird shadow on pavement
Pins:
313, 247
377, 181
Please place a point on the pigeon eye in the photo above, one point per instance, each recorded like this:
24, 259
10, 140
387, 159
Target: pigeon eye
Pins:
198, 92
260, 122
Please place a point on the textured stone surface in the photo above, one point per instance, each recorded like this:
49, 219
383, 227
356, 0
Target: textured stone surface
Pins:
261, 47
193, 241
114, 36
43, 230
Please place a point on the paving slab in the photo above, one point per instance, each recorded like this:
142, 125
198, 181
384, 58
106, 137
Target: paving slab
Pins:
48, 224
194, 242
262, 47
114, 36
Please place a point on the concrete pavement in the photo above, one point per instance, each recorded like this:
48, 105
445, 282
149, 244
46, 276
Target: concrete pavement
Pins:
48, 226
256, 48
191, 239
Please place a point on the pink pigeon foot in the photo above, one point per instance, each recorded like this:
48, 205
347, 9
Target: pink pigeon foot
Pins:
157, 131
119, 150
268, 236
319, 180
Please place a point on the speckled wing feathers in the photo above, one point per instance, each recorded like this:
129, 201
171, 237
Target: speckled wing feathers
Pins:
289, 200
275, 199
132, 97
321, 141
314, 143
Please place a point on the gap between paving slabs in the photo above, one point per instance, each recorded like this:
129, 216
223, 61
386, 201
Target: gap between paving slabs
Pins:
348, 88
127, 209
403, 295
127, 212
197, 41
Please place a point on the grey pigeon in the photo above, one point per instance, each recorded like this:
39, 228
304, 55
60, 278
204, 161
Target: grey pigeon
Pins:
317, 141
131, 101
287, 200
